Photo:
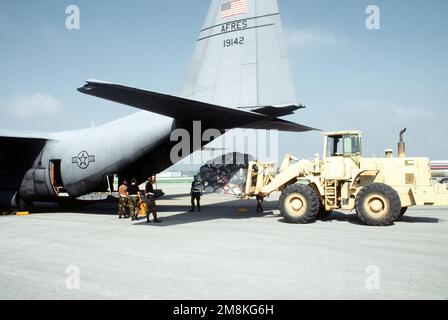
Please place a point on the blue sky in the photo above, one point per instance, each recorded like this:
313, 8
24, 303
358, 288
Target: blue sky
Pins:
348, 76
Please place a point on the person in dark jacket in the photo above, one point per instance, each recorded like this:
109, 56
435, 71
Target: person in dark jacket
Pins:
134, 199
260, 200
195, 194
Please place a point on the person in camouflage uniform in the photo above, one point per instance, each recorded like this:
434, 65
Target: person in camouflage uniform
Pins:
134, 199
134, 207
123, 201
151, 201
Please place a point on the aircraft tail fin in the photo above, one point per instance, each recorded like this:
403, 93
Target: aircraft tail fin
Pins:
240, 57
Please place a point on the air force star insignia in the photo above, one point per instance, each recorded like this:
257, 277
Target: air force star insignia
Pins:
83, 160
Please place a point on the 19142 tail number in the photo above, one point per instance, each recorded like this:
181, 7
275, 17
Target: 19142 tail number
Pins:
233, 42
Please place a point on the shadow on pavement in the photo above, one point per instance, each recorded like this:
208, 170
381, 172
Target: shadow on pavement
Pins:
337, 216
352, 218
97, 209
174, 196
415, 219
225, 210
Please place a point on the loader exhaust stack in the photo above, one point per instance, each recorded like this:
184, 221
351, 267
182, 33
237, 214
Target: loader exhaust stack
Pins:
402, 145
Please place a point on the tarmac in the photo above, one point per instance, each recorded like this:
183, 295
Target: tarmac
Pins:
220, 253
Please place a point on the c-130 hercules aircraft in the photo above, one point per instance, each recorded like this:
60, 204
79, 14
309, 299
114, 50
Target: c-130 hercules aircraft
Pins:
239, 77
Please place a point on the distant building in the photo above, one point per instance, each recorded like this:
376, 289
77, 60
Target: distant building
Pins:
170, 175
439, 171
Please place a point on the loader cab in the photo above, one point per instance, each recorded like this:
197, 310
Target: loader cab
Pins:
343, 144
342, 153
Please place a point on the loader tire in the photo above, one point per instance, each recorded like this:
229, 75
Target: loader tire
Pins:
378, 205
299, 203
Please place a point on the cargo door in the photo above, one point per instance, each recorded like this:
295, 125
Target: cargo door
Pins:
56, 178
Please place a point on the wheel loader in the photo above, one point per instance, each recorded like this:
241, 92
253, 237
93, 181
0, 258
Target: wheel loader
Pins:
379, 189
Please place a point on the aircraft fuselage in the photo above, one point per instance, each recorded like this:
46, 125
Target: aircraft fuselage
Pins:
78, 161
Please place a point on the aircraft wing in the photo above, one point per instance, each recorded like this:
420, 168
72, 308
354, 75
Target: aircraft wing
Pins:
185, 109
17, 147
170, 106
18, 151
27, 135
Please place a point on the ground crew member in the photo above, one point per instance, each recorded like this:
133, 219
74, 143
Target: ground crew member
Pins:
134, 199
195, 195
260, 203
123, 202
151, 201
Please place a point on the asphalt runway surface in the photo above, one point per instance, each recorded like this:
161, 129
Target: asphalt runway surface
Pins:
220, 253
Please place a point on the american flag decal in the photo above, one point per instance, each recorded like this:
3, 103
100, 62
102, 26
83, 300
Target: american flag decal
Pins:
233, 8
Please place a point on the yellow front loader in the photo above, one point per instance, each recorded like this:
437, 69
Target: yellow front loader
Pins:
379, 189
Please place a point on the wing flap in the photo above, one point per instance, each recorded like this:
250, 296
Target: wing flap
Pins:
276, 112
280, 125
